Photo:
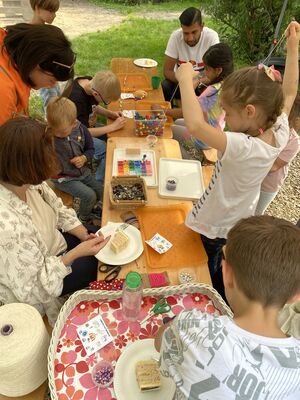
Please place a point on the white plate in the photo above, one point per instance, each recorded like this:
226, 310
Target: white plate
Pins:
190, 184
145, 62
132, 251
125, 383
120, 154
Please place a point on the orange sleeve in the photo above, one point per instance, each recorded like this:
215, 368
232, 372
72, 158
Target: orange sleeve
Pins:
8, 99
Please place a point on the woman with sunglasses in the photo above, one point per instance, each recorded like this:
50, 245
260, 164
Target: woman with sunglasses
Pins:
31, 56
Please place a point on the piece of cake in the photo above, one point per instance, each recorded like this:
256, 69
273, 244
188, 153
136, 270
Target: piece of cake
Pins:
147, 375
119, 242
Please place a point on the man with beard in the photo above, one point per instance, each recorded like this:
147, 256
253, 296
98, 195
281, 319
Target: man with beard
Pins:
188, 43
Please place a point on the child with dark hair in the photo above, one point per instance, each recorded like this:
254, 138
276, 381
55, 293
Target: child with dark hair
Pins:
257, 106
213, 357
279, 171
218, 64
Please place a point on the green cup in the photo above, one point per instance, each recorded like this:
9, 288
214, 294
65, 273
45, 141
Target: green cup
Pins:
155, 81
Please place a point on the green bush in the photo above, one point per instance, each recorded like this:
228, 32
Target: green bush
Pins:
249, 25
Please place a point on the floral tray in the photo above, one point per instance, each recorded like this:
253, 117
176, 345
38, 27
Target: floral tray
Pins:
68, 365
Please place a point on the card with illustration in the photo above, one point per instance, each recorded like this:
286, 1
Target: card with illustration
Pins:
94, 335
159, 243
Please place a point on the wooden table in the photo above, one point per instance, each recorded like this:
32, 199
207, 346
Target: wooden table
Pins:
125, 65
164, 148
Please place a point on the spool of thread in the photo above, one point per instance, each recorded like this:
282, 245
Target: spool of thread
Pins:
24, 343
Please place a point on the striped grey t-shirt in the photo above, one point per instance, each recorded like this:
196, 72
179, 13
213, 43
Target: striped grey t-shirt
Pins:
210, 358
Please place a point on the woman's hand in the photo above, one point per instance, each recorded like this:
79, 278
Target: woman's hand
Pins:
185, 71
91, 246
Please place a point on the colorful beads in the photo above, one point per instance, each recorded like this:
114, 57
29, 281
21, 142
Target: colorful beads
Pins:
103, 374
149, 124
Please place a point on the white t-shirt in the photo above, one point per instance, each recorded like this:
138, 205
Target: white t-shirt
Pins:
181, 51
234, 189
211, 358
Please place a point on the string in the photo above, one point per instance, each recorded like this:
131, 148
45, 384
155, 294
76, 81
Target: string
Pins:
196, 77
274, 48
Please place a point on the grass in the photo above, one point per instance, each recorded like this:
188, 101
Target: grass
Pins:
178, 5
135, 38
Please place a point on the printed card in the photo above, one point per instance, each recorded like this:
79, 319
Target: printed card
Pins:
128, 113
159, 243
125, 96
94, 335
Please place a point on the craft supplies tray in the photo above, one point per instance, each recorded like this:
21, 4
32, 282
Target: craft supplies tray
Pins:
190, 185
131, 82
169, 221
132, 162
121, 184
70, 369
147, 105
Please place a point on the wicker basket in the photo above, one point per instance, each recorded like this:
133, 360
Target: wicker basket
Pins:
86, 295
127, 180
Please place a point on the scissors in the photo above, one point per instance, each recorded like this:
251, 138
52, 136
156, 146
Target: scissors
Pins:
113, 271
161, 307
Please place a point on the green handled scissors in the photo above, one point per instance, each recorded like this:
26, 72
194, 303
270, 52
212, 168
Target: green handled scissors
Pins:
161, 307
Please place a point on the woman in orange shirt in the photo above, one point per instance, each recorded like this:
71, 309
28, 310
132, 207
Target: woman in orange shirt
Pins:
31, 56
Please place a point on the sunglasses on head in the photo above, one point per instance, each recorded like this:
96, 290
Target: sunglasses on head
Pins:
61, 71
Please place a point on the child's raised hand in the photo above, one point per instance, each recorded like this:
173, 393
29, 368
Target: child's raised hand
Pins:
292, 33
185, 71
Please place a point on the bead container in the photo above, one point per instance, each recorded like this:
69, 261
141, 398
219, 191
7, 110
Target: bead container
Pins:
171, 183
102, 374
149, 122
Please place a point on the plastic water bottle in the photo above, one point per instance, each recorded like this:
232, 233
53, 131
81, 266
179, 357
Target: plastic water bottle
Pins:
132, 296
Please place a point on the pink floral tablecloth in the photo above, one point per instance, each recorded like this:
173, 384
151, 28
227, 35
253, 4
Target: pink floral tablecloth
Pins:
72, 367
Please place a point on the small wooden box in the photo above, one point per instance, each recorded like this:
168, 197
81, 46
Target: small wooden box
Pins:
127, 181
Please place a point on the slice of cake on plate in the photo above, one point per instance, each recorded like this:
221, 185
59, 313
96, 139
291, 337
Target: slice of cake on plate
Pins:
119, 242
147, 375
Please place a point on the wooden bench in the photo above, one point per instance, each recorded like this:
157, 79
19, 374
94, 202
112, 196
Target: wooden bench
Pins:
66, 198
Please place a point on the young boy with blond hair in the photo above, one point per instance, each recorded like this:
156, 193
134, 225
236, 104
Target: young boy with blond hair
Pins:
213, 357
88, 93
74, 148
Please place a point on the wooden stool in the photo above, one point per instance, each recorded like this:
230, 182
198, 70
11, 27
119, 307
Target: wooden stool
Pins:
211, 155
67, 199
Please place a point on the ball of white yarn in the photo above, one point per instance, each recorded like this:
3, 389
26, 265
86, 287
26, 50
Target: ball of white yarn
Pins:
24, 343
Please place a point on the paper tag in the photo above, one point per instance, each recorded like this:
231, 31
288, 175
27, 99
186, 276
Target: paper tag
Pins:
128, 113
94, 335
159, 243
125, 96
